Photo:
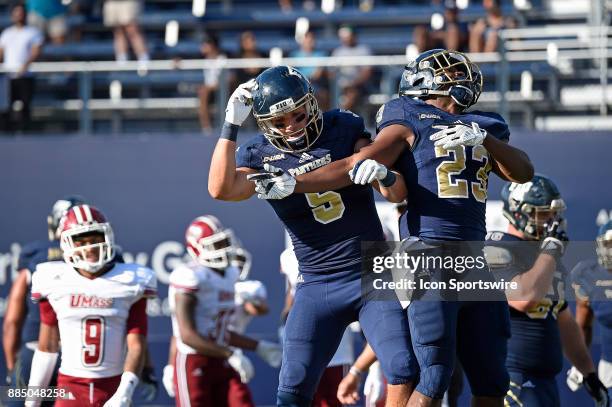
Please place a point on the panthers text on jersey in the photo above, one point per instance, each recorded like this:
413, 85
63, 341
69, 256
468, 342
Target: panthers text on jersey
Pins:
326, 228
447, 189
93, 315
535, 345
216, 302
593, 283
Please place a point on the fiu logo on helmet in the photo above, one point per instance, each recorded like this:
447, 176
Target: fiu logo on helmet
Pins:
276, 157
283, 105
89, 301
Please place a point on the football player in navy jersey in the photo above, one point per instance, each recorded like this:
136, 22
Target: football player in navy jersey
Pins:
326, 228
591, 280
22, 318
445, 155
543, 327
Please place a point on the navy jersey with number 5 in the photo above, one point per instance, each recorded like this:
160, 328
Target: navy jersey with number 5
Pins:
447, 189
326, 228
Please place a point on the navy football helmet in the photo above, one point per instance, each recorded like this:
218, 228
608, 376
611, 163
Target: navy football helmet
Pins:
604, 245
60, 207
281, 90
531, 205
439, 72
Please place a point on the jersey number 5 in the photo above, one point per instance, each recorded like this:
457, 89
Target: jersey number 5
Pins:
326, 206
459, 188
93, 341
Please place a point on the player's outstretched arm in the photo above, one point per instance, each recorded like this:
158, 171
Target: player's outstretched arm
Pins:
225, 181
509, 163
574, 347
385, 149
584, 319
45, 356
269, 351
14, 317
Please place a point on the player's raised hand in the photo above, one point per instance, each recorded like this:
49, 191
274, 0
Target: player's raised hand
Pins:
374, 386
457, 134
271, 352
242, 365
168, 380
240, 103
272, 184
367, 171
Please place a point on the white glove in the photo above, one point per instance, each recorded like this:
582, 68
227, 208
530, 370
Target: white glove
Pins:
123, 395
271, 352
458, 134
273, 184
574, 379
168, 379
240, 103
242, 365
374, 386
366, 171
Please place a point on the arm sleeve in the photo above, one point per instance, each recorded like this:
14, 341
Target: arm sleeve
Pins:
47, 313
137, 322
183, 279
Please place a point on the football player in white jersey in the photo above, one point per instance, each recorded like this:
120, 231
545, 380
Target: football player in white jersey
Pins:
97, 309
201, 295
340, 363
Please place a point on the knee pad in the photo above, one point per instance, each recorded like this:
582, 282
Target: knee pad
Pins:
434, 380
400, 368
284, 399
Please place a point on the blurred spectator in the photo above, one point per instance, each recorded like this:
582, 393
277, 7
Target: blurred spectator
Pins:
484, 32
211, 51
352, 80
248, 49
448, 33
122, 16
49, 16
20, 45
316, 75
285, 5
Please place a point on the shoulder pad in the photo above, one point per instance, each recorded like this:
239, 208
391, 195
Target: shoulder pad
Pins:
497, 256
185, 277
46, 276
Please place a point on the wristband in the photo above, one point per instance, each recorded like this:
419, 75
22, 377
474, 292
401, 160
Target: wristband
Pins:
355, 371
229, 131
389, 179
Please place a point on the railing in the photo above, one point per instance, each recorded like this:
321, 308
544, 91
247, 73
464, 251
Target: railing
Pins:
558, 46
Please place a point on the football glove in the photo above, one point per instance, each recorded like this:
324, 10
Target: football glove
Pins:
555, 239
366, 171
597, 390
271, 352
272, 184
374, 386
458, 134
574, 379
242, 365
168, 380
148, 384
123, 394
239, 104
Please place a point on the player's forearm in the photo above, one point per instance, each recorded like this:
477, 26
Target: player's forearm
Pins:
574, 348
136, 354
205, 346
224, 181
395, 193
241, 341
512, 164
331, 177
535, 283
365, 359
11, 340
